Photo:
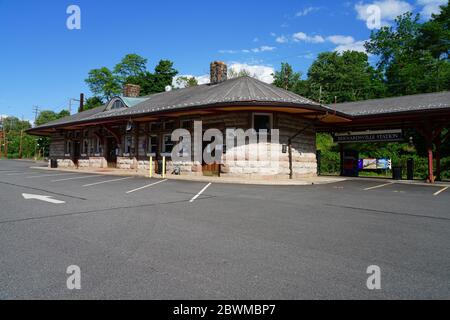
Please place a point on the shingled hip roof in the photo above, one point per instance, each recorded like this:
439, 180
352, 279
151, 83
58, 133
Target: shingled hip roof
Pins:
243, 90
411, 103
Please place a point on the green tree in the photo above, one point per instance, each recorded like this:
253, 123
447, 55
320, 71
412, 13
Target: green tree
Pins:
342, 77
286, 78
435, 34
186, 82
92, 103
410, 54
232, 73
104, 83
163, 76
46, 116
131, 65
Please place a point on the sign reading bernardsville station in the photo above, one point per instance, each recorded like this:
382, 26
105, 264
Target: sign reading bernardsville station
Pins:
369, 136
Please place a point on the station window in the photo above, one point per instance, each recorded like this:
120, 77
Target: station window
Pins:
117, 105
167, 143
152, 145
68, 147
128, 145
96, 146
262, 121
85, 146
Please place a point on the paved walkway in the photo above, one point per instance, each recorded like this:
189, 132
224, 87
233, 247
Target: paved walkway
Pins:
238, 180
232, 180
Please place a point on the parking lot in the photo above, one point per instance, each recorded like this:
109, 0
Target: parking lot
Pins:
140, 238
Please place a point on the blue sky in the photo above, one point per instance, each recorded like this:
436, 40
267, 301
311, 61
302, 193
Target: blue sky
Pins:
44, 63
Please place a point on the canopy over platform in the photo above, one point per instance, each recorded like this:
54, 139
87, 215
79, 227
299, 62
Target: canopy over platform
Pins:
427, 113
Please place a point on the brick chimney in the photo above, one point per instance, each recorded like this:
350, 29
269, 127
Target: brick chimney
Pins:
219, 72
131, 90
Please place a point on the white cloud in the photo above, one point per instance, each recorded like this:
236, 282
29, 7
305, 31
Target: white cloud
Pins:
353, 46
260, 72
430, 7
306, 11
344, 43
390, 9
262, 49
341, 40
228, 51
307, 56
281, 39
301, 36
254, 50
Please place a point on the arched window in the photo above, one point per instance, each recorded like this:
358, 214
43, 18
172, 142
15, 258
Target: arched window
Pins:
117, 105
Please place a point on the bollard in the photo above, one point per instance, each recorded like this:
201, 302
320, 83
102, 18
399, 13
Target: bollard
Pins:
151, 167
164, 168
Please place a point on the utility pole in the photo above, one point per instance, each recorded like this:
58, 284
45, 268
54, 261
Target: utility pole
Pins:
2, 132
21, 139
36, 112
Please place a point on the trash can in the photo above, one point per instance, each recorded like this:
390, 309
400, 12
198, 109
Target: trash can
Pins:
397, 173
319, 161
410, 169
53, 163
160, 167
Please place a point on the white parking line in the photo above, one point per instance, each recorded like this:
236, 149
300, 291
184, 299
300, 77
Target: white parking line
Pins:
147, 186
380, 186
51, 175
200, 193
77, 178
107, 181
440, 191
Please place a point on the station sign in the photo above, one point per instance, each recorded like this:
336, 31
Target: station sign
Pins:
369, 136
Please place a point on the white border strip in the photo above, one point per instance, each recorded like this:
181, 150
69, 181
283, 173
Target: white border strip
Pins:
380, 186
200, 193
440, 191
147, 186
107, 181
77, 178
51, 175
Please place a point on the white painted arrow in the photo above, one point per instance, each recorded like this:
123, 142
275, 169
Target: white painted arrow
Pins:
41, 198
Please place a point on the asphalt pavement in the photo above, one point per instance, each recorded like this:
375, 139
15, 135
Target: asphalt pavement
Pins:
140, 238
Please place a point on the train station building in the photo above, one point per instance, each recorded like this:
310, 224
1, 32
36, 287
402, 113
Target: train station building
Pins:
134, 132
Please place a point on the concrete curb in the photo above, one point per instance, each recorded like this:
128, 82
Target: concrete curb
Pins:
306, 182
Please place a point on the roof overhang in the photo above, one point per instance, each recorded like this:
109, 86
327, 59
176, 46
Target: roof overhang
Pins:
302, 110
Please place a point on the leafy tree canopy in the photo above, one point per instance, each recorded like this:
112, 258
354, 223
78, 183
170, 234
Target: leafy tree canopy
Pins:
106, 84
186, 82
92, 103
46, 116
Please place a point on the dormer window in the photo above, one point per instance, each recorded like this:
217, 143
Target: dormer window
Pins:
117, 105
